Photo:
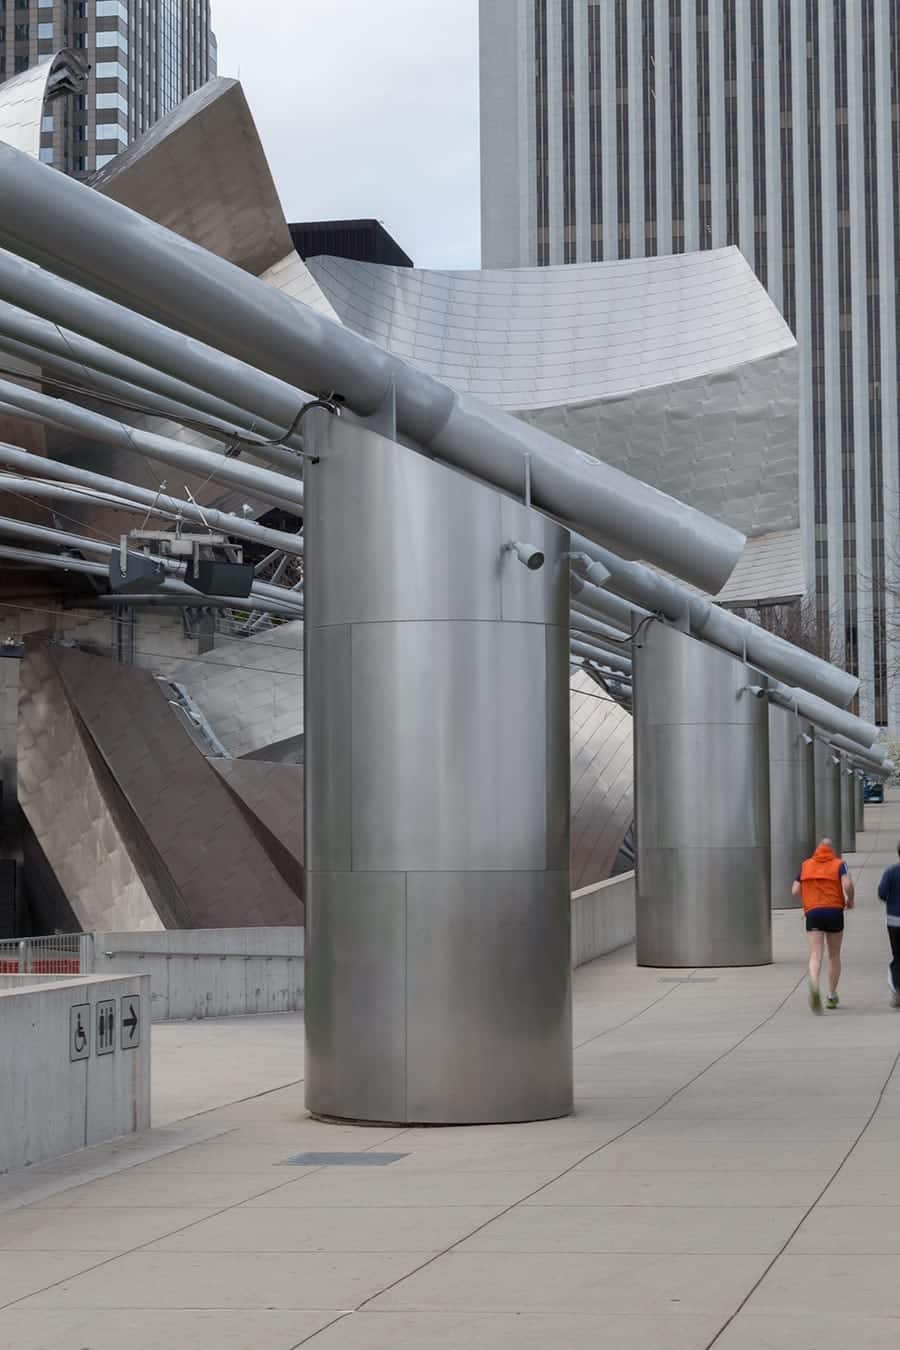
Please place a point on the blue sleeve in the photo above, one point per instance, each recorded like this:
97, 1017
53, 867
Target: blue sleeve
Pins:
842, 871
883, 886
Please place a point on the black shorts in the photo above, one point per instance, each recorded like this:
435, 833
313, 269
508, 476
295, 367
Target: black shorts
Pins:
824, 921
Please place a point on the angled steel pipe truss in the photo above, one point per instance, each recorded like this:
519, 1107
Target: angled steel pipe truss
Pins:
142, 311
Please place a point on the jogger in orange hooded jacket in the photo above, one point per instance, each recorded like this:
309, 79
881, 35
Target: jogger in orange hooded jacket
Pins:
826, 889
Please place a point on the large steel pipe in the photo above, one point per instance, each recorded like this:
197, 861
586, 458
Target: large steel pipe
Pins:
437, 824
702, 806
603, 656
83, 480
832, 719
772, 654
277, 488
76, 359
791, 801
78, 234
107, 336
848, 808
828, 794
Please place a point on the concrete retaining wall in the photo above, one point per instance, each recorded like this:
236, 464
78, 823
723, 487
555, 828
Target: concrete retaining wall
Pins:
602, 918
210, 972
51, 1104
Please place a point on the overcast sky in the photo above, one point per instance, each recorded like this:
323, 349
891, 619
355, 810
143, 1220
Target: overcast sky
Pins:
366, 108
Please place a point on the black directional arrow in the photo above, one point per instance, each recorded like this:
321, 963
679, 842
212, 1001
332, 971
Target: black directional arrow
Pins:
130, 1021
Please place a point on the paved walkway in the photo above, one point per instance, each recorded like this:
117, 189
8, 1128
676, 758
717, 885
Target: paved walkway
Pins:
731, 1179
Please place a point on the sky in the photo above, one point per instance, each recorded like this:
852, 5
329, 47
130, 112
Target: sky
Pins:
367, 108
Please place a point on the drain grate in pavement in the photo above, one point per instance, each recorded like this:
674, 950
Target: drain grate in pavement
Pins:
693, 979
343, 1159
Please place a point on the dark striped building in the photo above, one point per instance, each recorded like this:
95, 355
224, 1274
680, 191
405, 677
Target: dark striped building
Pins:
627, 128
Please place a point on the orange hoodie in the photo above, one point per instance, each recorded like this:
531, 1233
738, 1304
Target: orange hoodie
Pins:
820, 880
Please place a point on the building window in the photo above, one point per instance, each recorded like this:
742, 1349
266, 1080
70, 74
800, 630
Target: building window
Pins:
595, 96
570, 247
111, 70
111, 37
108, 131
541, 132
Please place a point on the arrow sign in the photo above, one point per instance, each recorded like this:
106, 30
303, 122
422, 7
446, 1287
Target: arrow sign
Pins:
130, 1021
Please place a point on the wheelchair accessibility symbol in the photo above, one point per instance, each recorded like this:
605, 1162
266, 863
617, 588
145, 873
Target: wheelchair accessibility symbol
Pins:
80, 1031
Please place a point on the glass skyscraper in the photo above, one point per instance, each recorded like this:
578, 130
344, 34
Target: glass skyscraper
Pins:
619, 129
145, 57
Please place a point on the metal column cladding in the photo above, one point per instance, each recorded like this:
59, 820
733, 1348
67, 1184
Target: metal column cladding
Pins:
859, 802
437, 820
848, 810
702, 792
792, 800
828, 795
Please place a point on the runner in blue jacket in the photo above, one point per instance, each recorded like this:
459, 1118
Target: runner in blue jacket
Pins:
889, 892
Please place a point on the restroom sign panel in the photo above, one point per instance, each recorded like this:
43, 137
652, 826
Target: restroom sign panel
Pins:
106, 1026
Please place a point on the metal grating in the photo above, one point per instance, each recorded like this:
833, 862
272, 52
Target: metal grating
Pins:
343, 1159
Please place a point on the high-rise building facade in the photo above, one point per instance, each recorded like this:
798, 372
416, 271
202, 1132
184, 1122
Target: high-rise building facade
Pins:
625, 128
145, 57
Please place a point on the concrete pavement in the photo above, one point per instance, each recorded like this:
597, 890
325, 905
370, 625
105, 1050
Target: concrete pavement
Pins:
730, 1179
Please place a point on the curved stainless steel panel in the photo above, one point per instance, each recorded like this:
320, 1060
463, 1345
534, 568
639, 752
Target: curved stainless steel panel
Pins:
602, 780
449, 746
828, 794
702, 786
479, 999
792, 801
355, 994
437, 759
848, 810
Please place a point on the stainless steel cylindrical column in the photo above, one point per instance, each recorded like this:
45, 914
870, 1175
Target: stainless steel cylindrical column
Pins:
702, 795
828, 794
848, 809
792, 801
859, 800
438, 985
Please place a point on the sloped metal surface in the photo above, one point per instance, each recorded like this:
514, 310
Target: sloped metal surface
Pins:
272, 796
202, 172
602, 804
273, 792
251, 691
222, 872
68, 811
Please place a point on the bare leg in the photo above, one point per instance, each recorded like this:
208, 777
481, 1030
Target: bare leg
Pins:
834, 941
816, 950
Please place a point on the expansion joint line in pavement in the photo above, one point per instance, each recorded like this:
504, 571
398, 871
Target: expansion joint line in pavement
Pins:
436, 1256
794, 1231
634, 1016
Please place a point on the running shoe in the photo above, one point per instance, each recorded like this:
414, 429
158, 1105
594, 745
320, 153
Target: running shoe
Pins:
832, 1001
815, 998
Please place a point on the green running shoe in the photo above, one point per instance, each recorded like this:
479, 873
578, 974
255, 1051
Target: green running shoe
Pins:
832, 1001
815, 998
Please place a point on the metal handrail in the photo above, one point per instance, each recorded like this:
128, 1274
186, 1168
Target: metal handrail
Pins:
206, 956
